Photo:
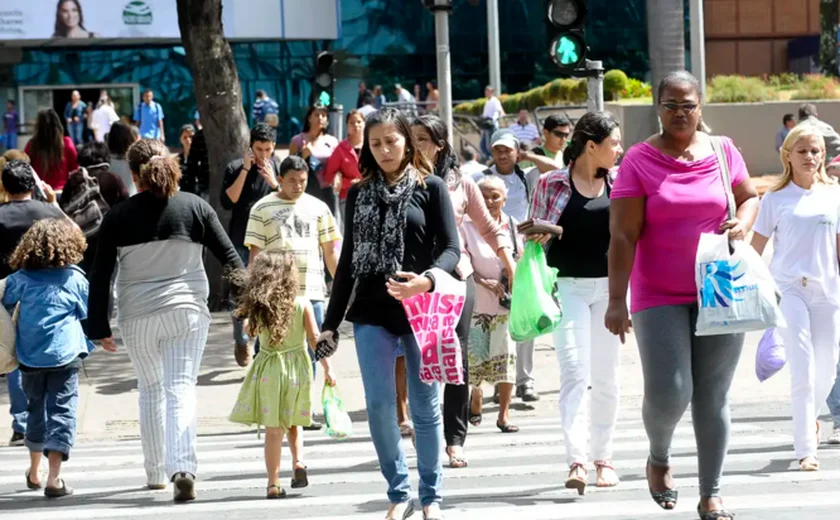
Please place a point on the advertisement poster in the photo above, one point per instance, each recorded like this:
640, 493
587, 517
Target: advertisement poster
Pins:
98, 21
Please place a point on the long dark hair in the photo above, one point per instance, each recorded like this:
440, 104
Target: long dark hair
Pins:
120, 138
47, 143
595, 127
60, 28
367, 162
307, 125
446, 162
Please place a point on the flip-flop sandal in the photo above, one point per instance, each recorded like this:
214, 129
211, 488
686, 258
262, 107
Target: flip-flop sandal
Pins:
507, 427
717, 514
406, 430
32, 485
409, 510
809, 465
270, 492
63, 491
455, 461
577, 482
669, 496
299, 478
600, 466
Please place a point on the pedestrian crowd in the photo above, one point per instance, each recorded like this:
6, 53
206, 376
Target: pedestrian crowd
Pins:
354, 229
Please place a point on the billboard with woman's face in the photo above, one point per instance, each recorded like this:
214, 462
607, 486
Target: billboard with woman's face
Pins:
26, 22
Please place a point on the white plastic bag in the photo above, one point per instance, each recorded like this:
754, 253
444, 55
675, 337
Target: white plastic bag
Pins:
735, 291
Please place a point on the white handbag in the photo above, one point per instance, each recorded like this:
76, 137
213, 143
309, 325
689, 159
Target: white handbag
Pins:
8, 334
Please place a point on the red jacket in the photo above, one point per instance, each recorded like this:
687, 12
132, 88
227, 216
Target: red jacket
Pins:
345, 161
57, 177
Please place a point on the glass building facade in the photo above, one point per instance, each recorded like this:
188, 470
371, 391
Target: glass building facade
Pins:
381, 42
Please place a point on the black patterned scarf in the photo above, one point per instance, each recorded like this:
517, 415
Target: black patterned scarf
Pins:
379, 222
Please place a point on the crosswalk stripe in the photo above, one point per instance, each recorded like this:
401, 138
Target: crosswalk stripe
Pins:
235, 463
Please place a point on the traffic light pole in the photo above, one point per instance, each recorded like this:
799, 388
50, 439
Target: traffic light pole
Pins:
494, 53
594, 86
441, 10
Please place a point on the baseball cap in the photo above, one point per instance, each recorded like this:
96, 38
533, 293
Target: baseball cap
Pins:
553, 121
504, 138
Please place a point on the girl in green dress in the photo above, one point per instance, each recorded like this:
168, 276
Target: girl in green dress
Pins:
276, 390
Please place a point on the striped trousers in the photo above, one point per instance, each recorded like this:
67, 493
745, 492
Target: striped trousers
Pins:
165, 351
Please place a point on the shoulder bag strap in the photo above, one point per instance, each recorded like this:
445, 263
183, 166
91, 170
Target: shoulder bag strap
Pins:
717, 146
513, 238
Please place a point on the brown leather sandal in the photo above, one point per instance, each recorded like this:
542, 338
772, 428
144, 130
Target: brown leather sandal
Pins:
575, 481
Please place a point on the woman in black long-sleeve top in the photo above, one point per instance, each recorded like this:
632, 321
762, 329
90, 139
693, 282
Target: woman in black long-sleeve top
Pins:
399, 225
158, 236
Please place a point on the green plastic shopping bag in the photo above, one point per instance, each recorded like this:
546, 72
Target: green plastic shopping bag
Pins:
339, 424
534, 309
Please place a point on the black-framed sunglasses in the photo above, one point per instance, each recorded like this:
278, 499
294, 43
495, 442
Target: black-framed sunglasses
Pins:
673, 107
560, 134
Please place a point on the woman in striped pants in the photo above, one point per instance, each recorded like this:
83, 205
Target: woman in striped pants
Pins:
158, 236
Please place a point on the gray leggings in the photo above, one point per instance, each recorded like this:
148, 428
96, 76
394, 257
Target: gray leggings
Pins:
681, 368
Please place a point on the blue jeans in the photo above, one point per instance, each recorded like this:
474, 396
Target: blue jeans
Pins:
77, 132
377, 350
17, 400
53, 399
833, 400
10, 140
239, 335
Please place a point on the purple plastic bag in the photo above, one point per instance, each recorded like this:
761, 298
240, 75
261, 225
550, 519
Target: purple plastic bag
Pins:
770, 355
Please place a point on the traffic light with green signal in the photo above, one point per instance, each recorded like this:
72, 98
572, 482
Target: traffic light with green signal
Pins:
323, 88
566, 33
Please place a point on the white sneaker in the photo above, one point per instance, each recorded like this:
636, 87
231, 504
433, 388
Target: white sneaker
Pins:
835, 437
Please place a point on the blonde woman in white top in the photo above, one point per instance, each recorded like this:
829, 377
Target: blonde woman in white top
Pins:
802, 213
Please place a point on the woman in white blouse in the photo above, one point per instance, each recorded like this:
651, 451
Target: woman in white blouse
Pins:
802, 214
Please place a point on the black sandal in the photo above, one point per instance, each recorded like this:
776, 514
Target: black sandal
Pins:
669, 496
281, 493
30, 484
63, 491
299, 478
717, 514
507, 427
475, 418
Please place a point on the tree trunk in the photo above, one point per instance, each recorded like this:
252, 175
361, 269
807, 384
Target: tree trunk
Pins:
666, 39
219, 97
829, 17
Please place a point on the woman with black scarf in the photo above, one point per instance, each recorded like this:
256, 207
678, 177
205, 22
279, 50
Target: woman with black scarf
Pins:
399, 225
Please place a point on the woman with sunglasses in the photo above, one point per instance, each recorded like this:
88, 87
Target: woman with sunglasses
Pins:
670, 186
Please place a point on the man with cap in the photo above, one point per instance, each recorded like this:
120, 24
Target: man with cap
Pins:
556, 132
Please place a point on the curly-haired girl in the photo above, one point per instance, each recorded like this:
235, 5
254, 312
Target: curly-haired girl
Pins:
276, 390
50, 289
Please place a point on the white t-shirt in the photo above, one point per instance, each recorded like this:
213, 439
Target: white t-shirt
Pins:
493, 109
470, 168
103, 118
804, 227
517, 205
366, 110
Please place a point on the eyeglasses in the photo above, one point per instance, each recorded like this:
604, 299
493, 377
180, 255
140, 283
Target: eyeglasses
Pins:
560, 134
673, 107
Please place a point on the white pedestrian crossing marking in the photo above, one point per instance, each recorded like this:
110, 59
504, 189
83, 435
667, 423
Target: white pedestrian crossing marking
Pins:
109, 476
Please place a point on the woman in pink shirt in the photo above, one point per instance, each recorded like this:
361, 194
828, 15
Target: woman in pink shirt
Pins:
667, 193
430, 135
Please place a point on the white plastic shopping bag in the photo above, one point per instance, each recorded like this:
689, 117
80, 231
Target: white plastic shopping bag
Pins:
735, 291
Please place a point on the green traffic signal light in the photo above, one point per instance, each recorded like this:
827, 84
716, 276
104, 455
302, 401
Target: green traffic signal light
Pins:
324, 98
568, 51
